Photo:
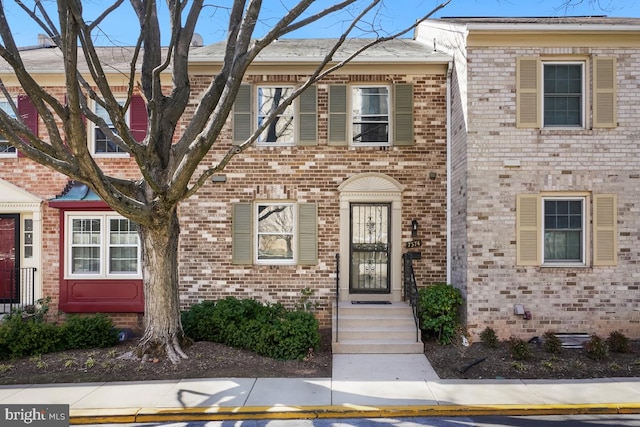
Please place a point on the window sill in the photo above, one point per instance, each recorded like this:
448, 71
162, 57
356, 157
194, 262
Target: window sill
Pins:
564, 265
565, 131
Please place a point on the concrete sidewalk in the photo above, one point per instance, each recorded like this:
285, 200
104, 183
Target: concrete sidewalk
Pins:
361, 386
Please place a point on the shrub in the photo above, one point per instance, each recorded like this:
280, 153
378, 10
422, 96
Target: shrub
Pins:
198, 322
519, 349
489, 337
596, 348
26, 337
551, 343
89, 332
291, 336
267, 329
618, 342
438, 305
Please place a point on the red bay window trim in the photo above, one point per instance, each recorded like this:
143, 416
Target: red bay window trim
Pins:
86, 295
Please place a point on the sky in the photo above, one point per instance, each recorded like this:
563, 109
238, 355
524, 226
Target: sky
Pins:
395, 15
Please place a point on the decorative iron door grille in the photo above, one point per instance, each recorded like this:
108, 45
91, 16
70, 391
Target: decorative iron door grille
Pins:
370, 248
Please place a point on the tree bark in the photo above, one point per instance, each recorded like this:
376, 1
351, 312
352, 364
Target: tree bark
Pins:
163, 326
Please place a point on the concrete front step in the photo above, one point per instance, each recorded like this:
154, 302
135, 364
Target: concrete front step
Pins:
390, 334
377, 347
375, 328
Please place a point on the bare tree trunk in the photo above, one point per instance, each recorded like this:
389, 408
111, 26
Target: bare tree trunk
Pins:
163, 327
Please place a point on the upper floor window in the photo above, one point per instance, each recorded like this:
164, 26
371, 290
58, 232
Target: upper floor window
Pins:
137, 119
102, 144
103, 245
563, 94
281, 131
297, 124
6, 149
552, 93
370, 115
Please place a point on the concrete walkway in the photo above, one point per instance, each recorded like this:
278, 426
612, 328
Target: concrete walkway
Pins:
361, 386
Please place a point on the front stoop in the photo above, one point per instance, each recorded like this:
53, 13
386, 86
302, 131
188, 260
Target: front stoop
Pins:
375, 328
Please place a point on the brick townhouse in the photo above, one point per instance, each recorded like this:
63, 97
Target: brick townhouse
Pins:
545, 180
327, 200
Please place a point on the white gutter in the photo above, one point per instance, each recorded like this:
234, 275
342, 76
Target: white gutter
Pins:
449, 73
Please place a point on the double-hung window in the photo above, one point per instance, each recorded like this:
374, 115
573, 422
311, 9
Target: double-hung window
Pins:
566, 230
296, 124
563, 94
275, 233
6, 149
563, 230
102, 143
281, 131
275, 236
102, 245
551, 92
370, 115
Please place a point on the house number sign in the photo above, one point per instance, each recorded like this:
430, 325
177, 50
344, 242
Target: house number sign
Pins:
414, 244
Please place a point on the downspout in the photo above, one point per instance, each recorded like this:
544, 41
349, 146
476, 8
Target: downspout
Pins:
449, 73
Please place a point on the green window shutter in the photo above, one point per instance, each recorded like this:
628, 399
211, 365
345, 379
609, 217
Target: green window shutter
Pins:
528, 93
403, 115
308, 114
604, 92
242, 115
605, 221
307, 234
241, 233
528, 229
338, 115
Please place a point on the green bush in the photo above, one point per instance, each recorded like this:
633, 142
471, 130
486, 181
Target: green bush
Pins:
89, 332
596, 348
618, 342
438, 305
267, 329
551, 343
198, 322
489, 337
26, 337
519, 349
291, 336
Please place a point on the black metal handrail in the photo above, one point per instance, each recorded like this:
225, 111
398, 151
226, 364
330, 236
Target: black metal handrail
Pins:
411, 289
337, 293
17, 288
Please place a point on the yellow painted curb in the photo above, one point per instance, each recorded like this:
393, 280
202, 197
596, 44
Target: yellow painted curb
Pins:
140, 415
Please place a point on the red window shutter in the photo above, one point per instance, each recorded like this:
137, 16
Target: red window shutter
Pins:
29, 115
138, 118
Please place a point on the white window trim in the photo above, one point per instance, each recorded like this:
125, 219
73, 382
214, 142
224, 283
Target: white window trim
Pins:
2, 139
256, 236
92, 135
390, 112
583, 98
585, 233
294, 122
104, 217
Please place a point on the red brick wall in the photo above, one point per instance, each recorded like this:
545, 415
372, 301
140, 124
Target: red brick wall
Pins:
304, 174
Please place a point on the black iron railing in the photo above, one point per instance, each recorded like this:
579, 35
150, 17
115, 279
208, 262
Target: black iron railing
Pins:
411, 288
337, 293
17, 288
